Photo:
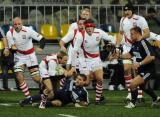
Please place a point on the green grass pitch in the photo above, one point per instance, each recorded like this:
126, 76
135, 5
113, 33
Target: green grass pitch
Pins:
113, 107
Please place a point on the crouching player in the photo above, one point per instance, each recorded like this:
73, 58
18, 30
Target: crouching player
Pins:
50, 70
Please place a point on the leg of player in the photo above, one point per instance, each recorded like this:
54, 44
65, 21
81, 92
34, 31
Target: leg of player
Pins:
21, 80
99, 85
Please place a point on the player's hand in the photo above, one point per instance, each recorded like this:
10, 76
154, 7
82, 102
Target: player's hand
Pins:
135, 66
73, 71
63, 49
39, 50
6, 52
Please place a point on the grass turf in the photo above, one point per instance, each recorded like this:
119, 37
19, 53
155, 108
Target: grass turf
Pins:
113, 107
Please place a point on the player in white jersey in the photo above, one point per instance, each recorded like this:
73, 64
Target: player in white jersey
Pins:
50, 68
20, 39
129, 21
84, 14
71, 37
89, 41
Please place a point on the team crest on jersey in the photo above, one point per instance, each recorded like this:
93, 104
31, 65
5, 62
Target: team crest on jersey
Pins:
23, 36
85, 41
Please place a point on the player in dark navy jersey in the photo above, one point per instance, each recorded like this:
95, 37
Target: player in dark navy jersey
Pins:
72, 92
143, 66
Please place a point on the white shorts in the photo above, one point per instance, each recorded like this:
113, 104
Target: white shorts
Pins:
28, 60
47, 70
94, 64
82, 66
126, 49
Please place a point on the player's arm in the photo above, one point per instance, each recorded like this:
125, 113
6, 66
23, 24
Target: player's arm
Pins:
67, 38
125, 56
150, 54
145, 28
106, 37
36, 36
119, 38
146, 33
77, 46
10, 41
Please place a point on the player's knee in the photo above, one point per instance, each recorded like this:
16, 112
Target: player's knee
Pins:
35, 76
19, 69
133, 85
50, 95
57, 103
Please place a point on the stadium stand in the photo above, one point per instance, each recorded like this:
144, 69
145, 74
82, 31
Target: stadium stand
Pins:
49, 31
5, 28
108, 28
64, 29
1, 45
32, 26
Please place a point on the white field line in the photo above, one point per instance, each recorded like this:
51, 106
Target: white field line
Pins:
66, 115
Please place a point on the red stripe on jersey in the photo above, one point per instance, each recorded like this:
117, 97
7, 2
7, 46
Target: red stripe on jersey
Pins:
11, 30
95, 32
26, 52
75, 32
23, 30
90, 55
51, 54
135, 18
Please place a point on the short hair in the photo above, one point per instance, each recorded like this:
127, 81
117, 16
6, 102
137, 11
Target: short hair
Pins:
137, 29
85, 9
83, 76
129, 6
89, 21
61, 54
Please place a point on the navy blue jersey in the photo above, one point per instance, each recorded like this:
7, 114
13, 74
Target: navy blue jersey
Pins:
71, 93
140, 50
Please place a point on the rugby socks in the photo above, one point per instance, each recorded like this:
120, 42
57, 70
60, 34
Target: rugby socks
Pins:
134, 94
99, 90
128, 79
62, 83
25, 89
139, 92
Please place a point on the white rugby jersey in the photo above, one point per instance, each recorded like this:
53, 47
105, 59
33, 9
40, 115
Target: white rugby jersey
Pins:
22, 39
153, 37
127, 23
90, 43
71, 37
73, 26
